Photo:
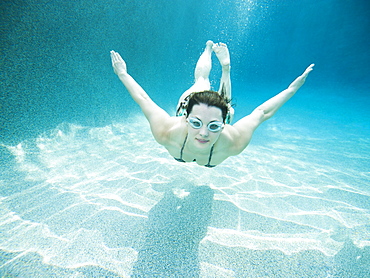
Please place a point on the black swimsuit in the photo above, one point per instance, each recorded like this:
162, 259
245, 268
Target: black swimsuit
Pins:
209, 158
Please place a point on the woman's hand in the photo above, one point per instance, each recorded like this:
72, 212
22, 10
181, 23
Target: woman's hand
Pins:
118, 64
307, 71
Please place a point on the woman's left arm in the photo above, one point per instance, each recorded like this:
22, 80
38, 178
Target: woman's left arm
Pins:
245, 127
269, 108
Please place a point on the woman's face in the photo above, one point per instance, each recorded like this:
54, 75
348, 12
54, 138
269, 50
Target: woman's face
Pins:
202, 137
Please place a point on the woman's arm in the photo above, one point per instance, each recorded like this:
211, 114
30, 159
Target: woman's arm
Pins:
269, 108
245, 127
157, 117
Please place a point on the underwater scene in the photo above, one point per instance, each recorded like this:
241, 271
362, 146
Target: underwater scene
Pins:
86, 191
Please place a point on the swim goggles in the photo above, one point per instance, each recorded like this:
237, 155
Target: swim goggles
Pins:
212, 126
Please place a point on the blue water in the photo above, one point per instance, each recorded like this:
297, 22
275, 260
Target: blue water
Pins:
85, 191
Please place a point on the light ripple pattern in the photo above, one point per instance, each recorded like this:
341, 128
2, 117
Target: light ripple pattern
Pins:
80, 196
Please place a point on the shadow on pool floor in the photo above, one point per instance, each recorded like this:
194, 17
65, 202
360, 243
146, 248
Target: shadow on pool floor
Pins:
350, 262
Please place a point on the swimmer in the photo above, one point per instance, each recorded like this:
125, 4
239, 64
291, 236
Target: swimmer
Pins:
201, 131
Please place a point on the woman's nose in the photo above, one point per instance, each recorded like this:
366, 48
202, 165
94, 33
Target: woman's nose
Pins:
204, 131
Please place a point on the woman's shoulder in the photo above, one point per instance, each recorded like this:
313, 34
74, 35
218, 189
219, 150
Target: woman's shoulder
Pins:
173, 132
231, 141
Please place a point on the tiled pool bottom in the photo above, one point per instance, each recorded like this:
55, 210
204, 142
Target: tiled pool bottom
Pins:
75, 203
349, 262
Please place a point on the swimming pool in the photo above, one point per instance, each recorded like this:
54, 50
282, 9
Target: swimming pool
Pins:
86, 191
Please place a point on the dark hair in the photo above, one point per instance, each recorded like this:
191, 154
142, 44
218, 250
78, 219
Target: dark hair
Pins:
210, 98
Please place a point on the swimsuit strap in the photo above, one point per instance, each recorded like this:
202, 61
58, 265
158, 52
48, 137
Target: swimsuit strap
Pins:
182, 150
210, 157
183, 146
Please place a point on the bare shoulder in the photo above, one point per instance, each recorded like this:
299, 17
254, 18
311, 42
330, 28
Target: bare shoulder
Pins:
233, 139
169, 131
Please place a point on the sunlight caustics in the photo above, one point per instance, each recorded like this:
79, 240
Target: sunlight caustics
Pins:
92, 187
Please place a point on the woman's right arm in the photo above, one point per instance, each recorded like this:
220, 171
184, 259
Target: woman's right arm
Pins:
159, 119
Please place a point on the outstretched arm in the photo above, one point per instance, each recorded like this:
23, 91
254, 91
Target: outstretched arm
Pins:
246, 126
157, 117
269, 108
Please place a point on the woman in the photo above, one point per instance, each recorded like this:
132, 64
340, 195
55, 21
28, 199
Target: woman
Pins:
201, 131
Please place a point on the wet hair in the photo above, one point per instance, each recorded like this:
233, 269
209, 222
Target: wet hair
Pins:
210, 98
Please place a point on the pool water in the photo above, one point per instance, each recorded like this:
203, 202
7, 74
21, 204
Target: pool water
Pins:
87, 192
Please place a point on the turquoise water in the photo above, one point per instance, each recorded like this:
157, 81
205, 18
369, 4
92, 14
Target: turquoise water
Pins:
87, 192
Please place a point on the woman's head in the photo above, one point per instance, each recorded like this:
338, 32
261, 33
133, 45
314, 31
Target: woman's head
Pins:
209, 98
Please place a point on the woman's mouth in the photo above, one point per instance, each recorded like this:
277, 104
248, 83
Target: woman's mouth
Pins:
202, 141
